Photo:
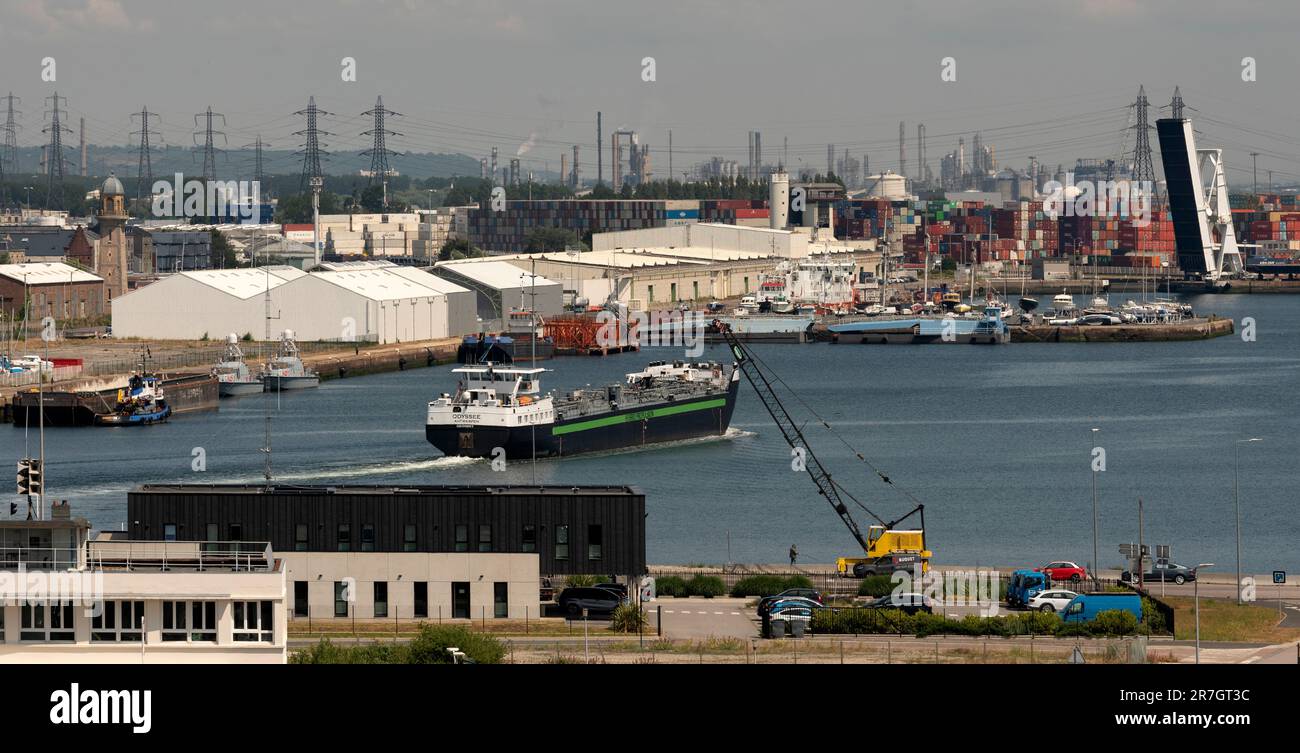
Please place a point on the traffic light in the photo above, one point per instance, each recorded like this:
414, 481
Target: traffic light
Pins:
30, 478
24, 476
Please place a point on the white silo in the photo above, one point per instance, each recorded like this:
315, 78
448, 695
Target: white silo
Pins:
779, 202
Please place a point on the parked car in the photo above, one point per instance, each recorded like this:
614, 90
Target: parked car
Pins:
910, 603
1053, 600
617, 588
771, 603
1063, 570
574, 600
1164, 570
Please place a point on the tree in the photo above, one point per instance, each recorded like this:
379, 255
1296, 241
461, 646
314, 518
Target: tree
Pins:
548, 239
223, 256
295, 209
457, 248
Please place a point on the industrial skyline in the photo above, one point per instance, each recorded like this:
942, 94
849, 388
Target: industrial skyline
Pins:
1037, 103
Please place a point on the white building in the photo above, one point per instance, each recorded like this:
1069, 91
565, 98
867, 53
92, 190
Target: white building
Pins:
189, 305
503, 287
65, 598
363, 301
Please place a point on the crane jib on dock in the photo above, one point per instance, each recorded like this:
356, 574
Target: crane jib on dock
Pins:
885, 548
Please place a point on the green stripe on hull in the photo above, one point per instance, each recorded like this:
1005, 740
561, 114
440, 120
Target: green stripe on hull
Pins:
596, 423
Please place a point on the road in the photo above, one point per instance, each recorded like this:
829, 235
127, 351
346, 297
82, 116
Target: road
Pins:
697, 618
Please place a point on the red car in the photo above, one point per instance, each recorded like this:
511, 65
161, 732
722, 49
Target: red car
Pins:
1061, 571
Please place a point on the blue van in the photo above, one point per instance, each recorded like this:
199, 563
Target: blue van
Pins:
1025, 585
1086, 607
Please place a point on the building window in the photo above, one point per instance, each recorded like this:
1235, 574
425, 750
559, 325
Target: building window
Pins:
561, 542
345, 537
300, 537
530, 539
213, 532
500, 600
462, 538
48, 622
341, 598
381, 599
118, 621
367, 537
189, 621
254, 621
746, 284
300, 601
672, 292
651, 292
408, 538
236, 532
695, 289
595, 542
169, 532
421, 599
485, 538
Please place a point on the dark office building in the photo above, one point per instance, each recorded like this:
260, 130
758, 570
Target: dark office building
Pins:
573, 530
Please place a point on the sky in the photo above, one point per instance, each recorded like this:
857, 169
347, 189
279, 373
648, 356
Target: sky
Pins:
1049, 79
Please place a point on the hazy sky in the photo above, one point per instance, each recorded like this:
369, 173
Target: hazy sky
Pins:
1050, 79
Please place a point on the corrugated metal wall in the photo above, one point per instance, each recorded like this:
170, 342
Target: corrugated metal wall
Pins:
436, 511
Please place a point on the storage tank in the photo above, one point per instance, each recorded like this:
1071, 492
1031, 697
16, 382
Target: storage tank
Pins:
779, 202
887, 185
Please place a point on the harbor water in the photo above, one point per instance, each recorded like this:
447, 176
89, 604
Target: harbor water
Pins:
996, 441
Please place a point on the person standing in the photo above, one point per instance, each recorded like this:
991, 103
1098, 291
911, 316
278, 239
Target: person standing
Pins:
794, 554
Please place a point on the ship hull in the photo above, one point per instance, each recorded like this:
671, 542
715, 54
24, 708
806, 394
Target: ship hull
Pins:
234, 389
283, 384
633, 427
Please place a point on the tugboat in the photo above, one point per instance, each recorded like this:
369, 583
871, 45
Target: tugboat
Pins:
503, 407
140, 402
233, 375
286, 371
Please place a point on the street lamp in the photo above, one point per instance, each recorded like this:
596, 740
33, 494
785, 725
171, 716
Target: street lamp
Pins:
1196, 591
1236, 498
1094, 508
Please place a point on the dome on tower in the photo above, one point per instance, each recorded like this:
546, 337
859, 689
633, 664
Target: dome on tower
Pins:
112, 187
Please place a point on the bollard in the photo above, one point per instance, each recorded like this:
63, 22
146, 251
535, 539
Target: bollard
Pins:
659, 620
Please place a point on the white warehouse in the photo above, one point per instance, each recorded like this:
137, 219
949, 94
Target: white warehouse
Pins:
369, 303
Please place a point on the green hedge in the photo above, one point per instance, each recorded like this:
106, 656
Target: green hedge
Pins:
706, 585
879, 621
768, 585
876, 585
429, 646
671, 585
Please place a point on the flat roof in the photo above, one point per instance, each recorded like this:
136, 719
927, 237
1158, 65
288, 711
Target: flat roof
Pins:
377, 284
427, 489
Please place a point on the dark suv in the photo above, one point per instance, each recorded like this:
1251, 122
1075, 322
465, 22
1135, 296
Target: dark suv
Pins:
574, 600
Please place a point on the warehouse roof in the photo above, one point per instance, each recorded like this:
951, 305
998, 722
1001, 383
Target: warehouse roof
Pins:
422, 276
378, 284
46, 273
244, 283
492, 273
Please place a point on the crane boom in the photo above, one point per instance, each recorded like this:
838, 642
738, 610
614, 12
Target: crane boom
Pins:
794, 437
884, 546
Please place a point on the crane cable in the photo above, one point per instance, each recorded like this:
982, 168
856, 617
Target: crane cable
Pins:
825, 424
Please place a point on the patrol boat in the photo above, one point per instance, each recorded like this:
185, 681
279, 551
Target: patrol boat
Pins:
286, 371
504, 407
233, 375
